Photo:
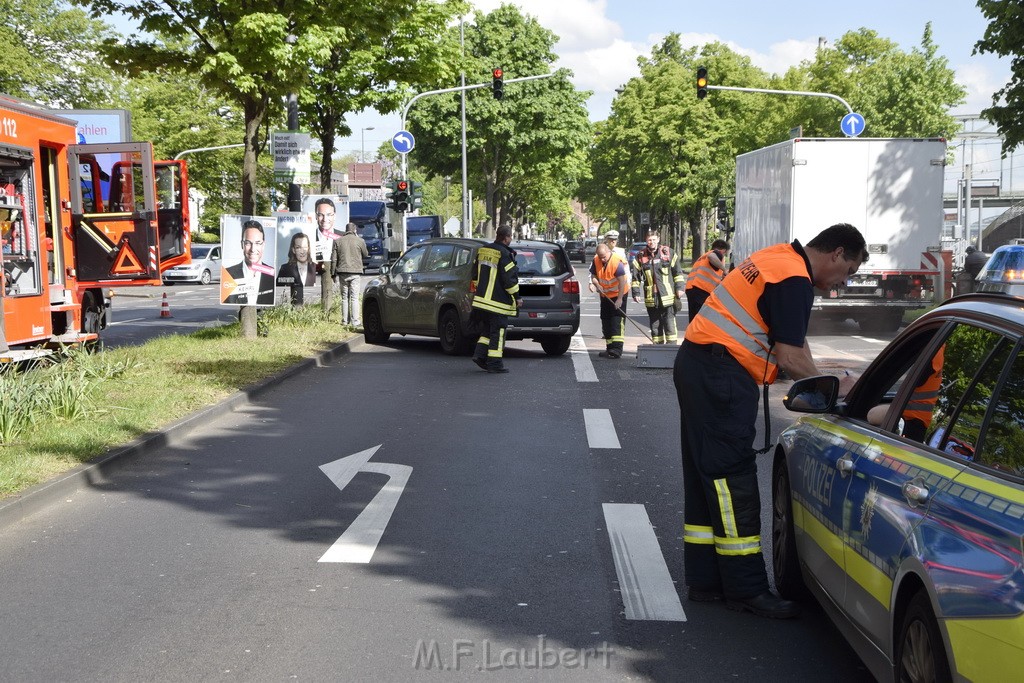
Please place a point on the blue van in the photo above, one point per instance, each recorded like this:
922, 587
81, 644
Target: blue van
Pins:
420, 228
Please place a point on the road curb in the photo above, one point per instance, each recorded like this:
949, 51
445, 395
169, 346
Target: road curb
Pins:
95, 472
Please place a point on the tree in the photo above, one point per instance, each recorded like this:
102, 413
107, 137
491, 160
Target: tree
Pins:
49, 55
1005, 37
525, 152
360, 73
253, 53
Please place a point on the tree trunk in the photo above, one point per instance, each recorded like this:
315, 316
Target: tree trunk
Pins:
330, 124
255, 111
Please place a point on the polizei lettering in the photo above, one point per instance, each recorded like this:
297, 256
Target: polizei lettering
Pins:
818, 478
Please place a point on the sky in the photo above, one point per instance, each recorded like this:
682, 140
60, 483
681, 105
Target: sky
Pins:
600, 41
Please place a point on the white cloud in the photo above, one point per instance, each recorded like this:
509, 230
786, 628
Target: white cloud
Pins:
981, 82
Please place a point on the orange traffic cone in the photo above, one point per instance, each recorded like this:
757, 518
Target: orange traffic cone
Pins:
165, 309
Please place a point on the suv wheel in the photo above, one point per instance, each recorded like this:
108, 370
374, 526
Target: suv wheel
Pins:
453, 341
556, 346
373, 324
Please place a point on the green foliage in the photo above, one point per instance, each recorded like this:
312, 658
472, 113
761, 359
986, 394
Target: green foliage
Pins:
1005, 37
526, 153
49, 55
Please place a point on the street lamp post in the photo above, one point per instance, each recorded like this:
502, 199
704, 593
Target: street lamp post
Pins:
362, 141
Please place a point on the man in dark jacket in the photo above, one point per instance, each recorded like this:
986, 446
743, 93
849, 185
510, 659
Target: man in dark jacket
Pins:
495, 298
347, 256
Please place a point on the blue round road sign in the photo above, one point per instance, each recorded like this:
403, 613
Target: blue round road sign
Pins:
852, 124
403, 142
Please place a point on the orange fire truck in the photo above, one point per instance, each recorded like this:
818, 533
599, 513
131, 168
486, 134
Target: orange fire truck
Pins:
72, 230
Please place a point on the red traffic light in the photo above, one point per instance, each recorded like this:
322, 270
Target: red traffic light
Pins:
498, 73
402, 186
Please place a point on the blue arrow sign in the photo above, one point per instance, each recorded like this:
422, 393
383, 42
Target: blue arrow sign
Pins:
403, 142
852, 124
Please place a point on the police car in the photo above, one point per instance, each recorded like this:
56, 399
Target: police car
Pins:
900, 508
1004, 271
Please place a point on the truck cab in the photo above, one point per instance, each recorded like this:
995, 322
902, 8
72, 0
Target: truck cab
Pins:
421, 228
371, 219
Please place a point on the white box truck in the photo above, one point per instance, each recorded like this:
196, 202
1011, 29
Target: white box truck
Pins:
889, 188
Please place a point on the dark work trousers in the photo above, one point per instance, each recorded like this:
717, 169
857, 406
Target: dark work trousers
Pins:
695, 298
613, 325
491, 346
663, 324
718, 404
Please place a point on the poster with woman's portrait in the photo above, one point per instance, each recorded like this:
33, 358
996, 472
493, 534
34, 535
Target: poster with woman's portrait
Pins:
330, 214
250, 245
296, 235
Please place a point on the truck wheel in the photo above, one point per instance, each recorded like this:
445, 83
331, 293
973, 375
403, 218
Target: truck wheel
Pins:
92, 314
556, 346
453, 341
373, 324
920, 654
785, 563
205, 278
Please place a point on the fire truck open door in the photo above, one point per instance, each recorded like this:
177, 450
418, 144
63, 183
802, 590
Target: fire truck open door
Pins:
172, 210
114, 218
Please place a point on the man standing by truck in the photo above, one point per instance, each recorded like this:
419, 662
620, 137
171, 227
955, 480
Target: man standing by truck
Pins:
705, 275
347, 256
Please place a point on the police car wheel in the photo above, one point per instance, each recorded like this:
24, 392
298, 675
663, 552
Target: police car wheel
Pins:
920, 654
785, 563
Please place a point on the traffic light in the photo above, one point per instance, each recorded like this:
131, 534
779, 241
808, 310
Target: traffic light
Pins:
401, 196
723, 210
702, 83
498, 83
416, 196
391, 195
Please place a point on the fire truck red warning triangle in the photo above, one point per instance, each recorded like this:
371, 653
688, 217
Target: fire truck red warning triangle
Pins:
126, 262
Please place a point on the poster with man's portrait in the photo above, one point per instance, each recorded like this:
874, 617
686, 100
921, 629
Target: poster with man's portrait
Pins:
330, 213
296, 235
250, 247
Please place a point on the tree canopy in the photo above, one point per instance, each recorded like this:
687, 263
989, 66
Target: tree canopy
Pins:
1005, 37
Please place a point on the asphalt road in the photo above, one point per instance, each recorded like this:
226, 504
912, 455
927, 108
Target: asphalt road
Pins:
399, 514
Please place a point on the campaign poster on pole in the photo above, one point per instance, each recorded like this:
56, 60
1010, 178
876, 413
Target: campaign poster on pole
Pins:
330, 213
296, 235
250, 246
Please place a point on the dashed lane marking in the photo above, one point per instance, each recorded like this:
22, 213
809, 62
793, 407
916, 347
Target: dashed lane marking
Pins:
600, 428
644, 582
581, 359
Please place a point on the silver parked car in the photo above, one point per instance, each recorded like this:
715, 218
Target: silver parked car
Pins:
204, 269
427, 291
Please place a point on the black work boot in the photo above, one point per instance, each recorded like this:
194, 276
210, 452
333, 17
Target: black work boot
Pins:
765, 605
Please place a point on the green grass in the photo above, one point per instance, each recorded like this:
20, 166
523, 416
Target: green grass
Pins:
57, 416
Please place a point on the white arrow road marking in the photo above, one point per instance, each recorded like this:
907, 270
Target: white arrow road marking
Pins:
600, 428
644, 582
360, 540
581, 359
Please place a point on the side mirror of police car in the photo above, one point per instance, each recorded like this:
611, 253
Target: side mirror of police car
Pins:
812, 394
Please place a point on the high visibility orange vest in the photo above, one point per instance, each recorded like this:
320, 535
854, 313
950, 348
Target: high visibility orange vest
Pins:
922, 402
703, 275
608, 283
730, 316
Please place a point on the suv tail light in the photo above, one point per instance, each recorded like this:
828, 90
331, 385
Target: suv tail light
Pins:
570, 285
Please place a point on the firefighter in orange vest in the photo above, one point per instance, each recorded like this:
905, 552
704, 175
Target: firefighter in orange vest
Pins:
657, 273
706, 273
608, 278
752, 325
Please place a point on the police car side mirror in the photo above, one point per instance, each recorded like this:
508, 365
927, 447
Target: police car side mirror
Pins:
812, 395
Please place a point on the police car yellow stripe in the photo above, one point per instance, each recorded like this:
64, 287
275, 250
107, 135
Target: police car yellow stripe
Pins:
829, 541
987, 649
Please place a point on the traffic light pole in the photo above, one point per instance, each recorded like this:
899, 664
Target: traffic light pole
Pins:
784, 92
462, 89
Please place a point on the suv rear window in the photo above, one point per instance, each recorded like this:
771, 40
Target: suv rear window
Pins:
541, 260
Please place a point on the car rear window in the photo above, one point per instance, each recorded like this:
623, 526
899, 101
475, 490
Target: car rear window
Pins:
541, 260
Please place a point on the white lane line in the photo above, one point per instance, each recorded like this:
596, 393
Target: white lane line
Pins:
600, 428
644, 582
581, 359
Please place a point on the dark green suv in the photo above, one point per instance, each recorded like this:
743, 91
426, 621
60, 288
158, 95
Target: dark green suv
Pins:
427, 292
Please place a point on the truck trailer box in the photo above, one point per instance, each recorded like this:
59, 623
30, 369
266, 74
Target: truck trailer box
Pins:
888, 188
